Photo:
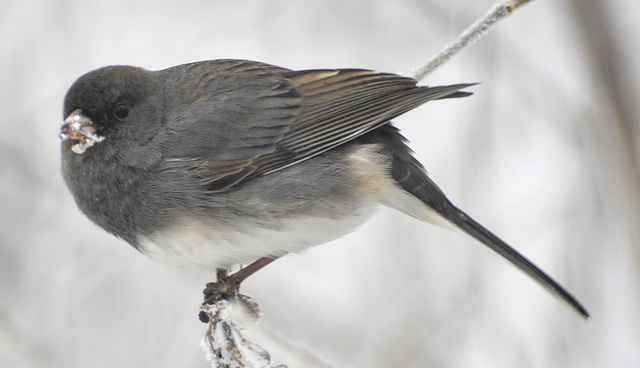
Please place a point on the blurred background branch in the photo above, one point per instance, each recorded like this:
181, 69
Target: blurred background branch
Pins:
607, 56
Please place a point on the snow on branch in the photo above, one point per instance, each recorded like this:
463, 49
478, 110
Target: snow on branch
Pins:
224, 344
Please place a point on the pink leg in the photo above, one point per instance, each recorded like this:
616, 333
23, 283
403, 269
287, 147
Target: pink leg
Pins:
228, 285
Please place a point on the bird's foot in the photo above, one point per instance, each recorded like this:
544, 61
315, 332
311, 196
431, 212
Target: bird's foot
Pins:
227, 287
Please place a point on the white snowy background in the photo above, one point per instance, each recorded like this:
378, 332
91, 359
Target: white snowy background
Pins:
545, 153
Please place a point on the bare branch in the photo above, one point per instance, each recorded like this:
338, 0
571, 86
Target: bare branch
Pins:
468, 37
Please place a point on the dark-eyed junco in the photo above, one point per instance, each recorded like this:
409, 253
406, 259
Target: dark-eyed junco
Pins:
224, 162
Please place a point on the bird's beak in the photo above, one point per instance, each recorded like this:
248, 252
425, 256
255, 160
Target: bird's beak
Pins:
78, 127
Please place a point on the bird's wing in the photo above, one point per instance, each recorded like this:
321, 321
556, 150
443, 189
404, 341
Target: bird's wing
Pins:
252, 119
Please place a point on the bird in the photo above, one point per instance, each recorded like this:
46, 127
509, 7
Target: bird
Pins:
217, 163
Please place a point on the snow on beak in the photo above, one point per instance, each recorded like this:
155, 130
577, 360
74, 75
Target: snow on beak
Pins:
78, 127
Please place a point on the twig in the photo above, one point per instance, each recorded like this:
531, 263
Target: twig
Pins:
469, 36
224, 344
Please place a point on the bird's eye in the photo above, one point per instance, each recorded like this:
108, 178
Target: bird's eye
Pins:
121, 111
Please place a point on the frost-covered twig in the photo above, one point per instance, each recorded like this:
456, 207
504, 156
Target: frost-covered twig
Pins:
224, 344
469, 36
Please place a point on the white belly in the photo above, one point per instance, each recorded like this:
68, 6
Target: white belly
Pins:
208, 247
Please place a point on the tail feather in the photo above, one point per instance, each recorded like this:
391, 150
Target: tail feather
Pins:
480, 233
422, 199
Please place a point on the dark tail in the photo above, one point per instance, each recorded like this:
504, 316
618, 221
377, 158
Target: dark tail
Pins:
411, 176
479, 232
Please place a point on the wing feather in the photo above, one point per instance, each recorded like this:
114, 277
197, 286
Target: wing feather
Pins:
252, 119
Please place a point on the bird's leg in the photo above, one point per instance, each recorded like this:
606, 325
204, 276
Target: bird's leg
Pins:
227, 286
